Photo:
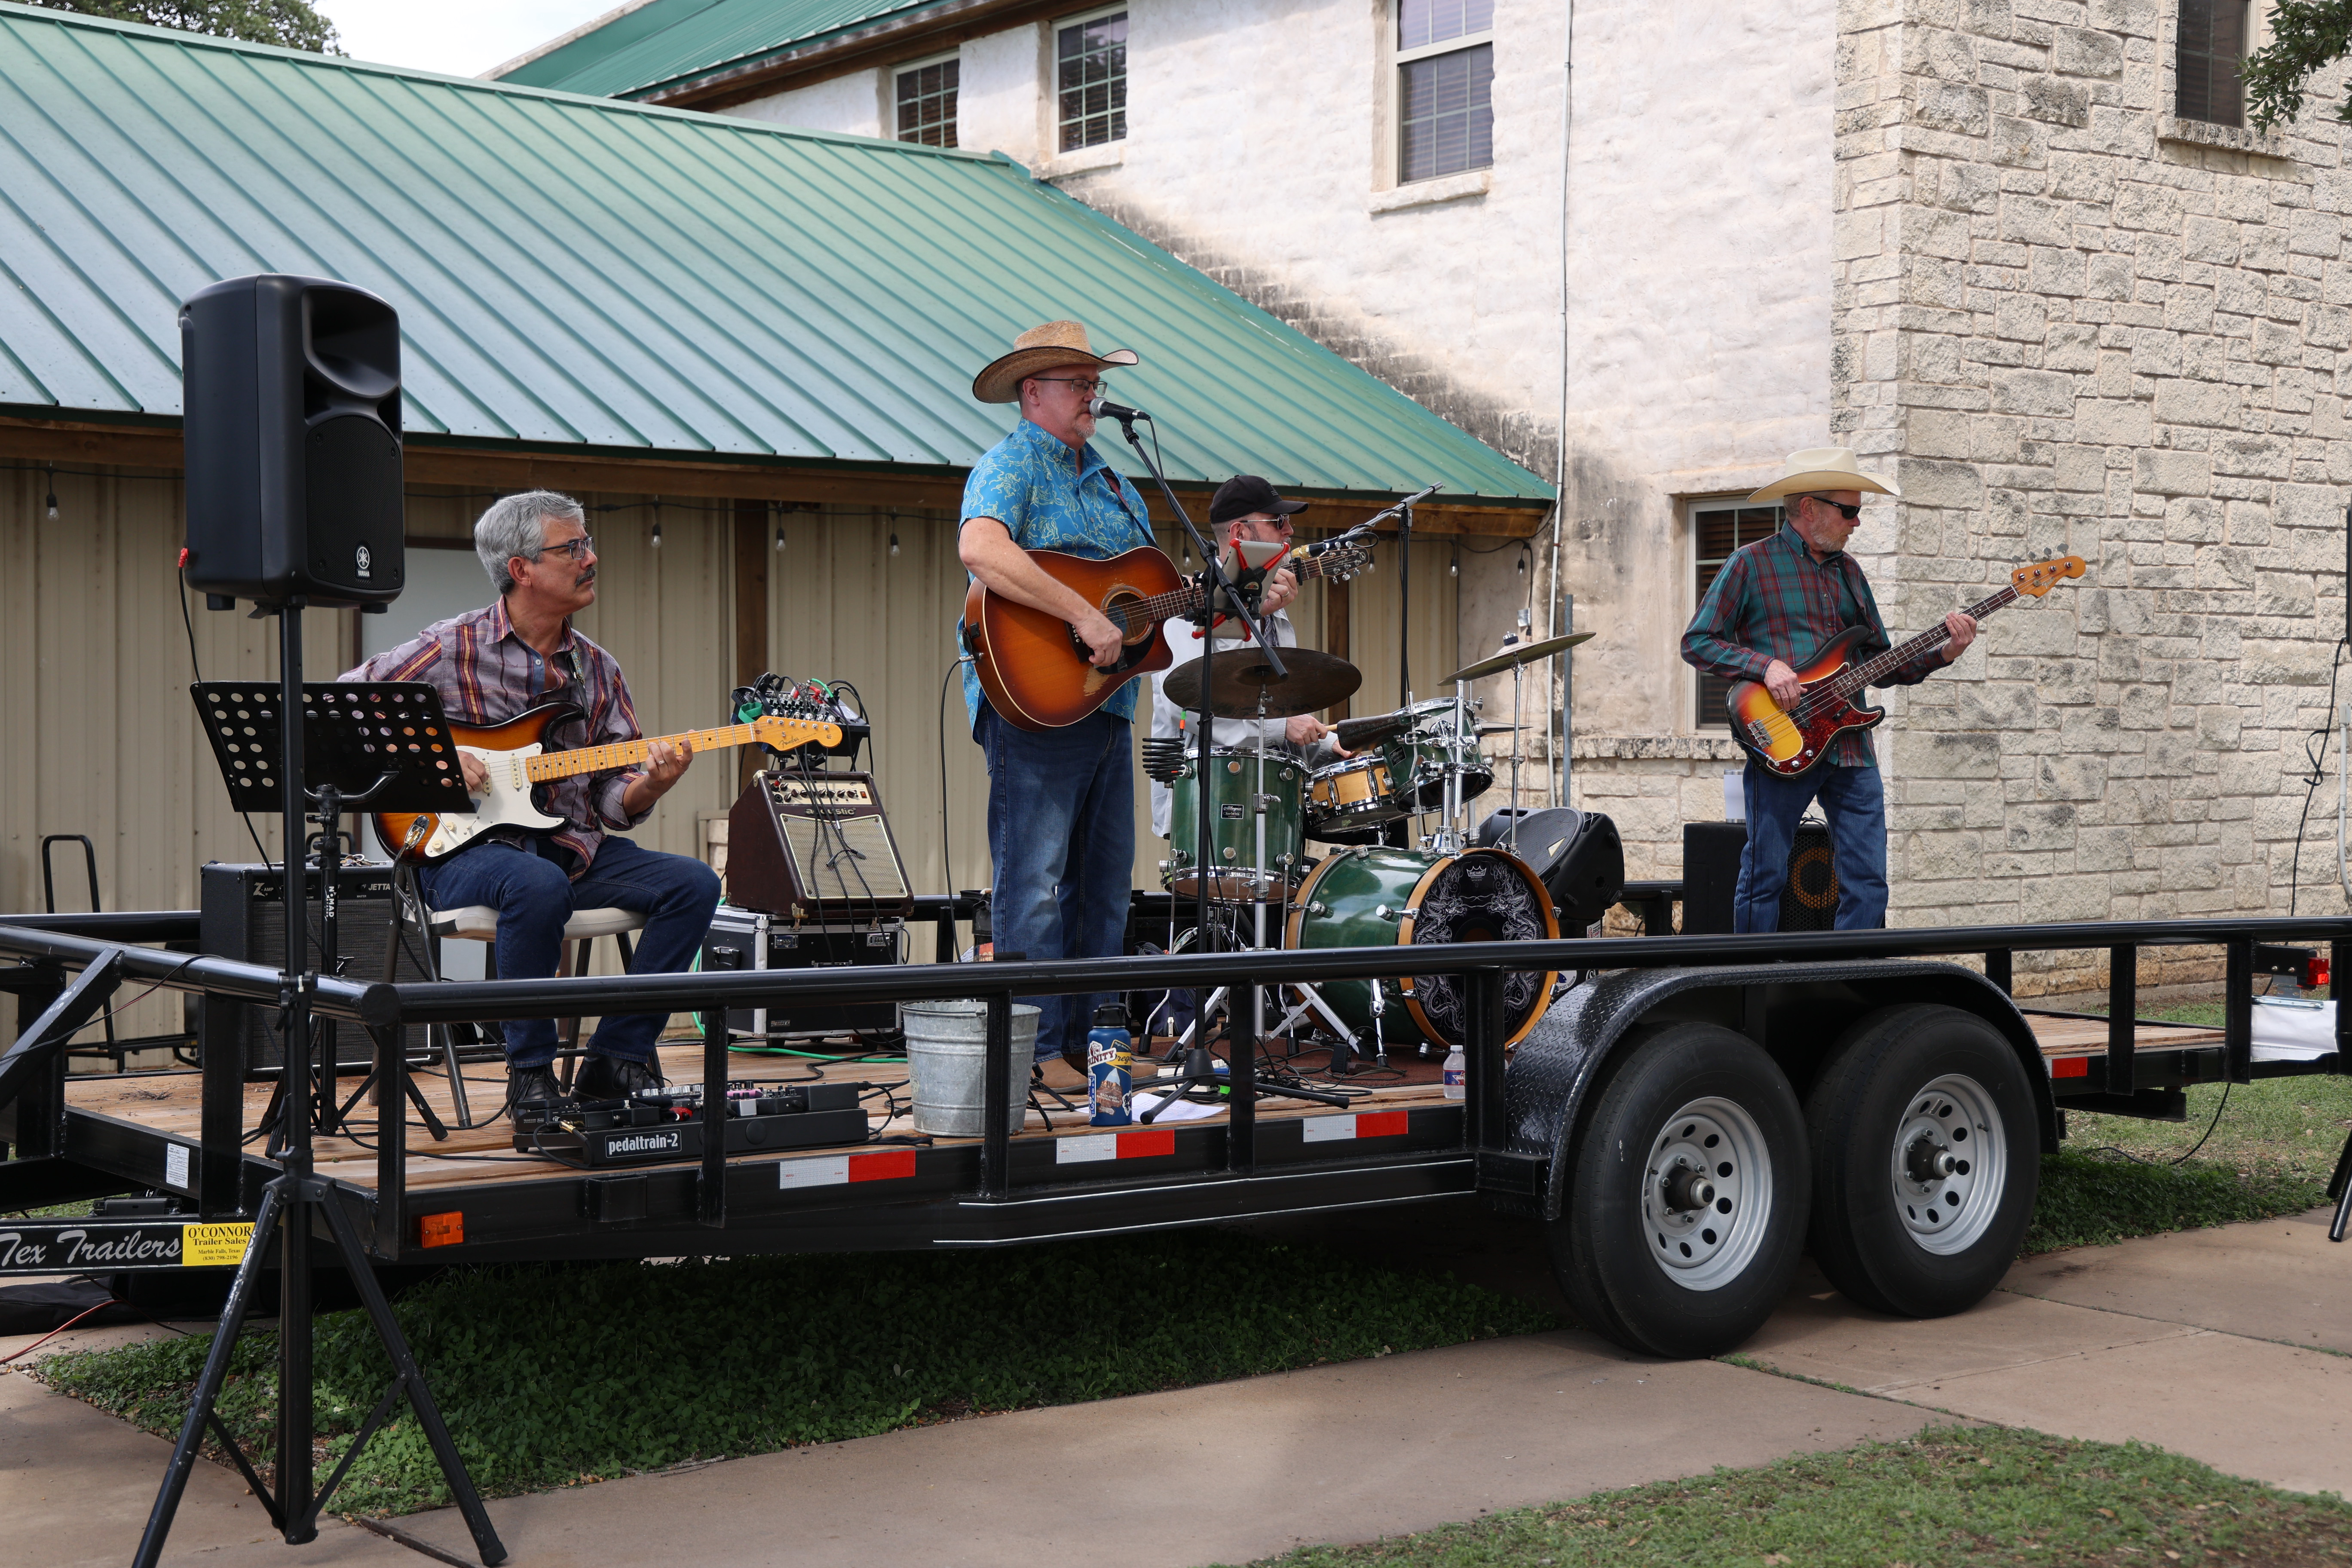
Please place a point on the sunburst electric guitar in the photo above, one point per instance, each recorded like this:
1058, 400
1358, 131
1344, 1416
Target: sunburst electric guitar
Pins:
1039, 674
1791, 742
515, 757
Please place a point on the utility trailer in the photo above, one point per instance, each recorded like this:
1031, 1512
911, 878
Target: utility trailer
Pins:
1689, 1115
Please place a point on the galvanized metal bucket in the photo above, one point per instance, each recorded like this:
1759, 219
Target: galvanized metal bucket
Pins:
947, 1055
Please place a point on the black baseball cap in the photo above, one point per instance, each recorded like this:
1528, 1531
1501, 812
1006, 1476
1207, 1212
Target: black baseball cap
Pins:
1245, 493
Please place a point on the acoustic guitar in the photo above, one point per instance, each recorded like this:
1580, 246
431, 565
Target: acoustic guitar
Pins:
515, 757
1789, 742
1038, 673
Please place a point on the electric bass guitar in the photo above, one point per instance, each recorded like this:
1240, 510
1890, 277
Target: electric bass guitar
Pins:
1791, 742
1038, 673
514, 757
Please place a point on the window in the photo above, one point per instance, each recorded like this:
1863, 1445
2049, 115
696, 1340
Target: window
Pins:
1722, 527
2211, 43
1446, 81
1090, 76
926, 102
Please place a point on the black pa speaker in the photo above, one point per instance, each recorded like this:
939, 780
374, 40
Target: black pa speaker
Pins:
1577, 854
1711, 852
243, 916
290, 388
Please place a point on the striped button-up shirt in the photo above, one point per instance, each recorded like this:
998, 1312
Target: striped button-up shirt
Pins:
1773, 600
486, 675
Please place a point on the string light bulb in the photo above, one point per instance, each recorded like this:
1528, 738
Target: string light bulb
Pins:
780, 539
656, 539
53, 495
894, 544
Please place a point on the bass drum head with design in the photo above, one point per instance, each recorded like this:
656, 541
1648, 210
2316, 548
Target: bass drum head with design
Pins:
1482, 895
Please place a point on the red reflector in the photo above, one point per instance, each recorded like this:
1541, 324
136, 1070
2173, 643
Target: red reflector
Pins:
2071, 1067
184, 556
1143, 1145
2315, 974
1381, 1124
441, 1230
888, 1165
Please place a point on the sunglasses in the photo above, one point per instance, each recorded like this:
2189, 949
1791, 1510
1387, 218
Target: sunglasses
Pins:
1843, 511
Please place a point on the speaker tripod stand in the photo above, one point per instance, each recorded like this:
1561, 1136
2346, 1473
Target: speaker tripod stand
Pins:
352, 767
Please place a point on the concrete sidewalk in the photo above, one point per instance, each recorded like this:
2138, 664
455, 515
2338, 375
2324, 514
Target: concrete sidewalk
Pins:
2213, 1343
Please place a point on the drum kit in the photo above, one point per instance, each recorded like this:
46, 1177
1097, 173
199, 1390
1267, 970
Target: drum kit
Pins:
1387, 877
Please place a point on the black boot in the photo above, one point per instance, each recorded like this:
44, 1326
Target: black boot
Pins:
609, 1078
529, 1086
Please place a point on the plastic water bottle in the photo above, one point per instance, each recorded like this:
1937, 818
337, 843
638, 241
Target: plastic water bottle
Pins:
1453, 1072
1110, 1067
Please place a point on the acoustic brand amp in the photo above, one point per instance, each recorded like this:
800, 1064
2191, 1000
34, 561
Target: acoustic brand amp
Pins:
815, 846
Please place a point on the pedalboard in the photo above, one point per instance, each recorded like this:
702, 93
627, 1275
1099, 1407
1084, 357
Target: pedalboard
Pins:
665, 1124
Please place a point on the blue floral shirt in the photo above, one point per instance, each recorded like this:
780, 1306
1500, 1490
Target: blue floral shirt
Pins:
1050, 497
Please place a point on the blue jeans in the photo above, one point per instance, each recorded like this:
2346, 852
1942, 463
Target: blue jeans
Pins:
534, 898
1854, 801
1061, 836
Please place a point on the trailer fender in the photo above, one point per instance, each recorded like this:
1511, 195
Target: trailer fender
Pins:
1795, 1011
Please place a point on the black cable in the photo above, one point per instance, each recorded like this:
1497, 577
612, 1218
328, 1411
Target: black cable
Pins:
2315, 752
947, 859
2166, 1164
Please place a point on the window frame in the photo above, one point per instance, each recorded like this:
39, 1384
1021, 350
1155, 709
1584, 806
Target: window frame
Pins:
890, 79
1695, 692
1054, 31
1395, 58
2250, 19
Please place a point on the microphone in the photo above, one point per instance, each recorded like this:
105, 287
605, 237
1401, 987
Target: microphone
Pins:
1101, 406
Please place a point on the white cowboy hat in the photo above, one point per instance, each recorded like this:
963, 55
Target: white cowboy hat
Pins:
1819, 469
1049, 347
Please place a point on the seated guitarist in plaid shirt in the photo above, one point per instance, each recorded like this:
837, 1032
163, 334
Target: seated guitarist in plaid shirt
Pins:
1767, 614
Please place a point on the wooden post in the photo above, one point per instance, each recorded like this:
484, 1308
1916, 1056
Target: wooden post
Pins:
1335, 636
754, 543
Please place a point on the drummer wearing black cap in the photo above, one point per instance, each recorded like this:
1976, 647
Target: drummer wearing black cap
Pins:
1247, 508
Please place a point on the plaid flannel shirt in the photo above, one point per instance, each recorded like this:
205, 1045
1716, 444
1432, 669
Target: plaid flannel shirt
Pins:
486, 675
1773, 600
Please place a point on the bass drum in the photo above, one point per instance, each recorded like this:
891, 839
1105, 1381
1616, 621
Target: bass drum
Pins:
1369, 897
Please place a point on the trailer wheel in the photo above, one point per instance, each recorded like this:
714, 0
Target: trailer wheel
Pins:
1925, 1161
1686, 1207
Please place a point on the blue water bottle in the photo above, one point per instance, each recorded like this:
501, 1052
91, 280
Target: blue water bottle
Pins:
1110, 1067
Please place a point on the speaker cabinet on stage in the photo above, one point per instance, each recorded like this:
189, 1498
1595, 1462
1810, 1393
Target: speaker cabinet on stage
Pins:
1577, 854
243, 916
1711, 852
749, 939
815, 846
292, 392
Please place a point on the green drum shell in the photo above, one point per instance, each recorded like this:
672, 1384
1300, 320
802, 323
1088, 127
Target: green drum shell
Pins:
1232, 830
1417, 763
1340, 905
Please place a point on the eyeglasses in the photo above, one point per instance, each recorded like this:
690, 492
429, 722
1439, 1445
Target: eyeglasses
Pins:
1088, 386
1843, 511
579, 549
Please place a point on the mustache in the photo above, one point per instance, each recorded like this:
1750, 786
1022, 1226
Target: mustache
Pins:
585, 578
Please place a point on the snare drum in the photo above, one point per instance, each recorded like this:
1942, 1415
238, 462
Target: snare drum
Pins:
1233, 827
1346, 797
1372, 897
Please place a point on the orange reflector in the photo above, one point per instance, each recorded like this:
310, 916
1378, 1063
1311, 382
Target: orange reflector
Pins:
2071, 1067
441, 1230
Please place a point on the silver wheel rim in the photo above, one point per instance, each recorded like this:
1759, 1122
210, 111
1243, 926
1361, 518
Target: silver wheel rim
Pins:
1949, 1165
1704, 1245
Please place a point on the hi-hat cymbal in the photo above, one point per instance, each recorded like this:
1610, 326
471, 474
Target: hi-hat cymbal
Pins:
1518, 653
1315, 680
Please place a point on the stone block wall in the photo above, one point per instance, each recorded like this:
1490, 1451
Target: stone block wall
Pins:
2073, 324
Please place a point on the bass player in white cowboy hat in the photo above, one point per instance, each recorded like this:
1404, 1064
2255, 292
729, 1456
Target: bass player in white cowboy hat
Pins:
1768, 612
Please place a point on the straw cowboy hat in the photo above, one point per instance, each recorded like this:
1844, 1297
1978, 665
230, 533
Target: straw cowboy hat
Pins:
1819, 468
1054, 345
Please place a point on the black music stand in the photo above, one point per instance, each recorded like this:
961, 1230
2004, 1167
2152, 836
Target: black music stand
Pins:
384, 745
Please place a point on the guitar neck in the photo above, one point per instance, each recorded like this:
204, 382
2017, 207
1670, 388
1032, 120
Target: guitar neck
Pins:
621, 753
1191, 598
1896, 657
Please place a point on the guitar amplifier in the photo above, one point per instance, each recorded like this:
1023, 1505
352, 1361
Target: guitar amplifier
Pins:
243, 916
1711, 852
816, 846
750, 939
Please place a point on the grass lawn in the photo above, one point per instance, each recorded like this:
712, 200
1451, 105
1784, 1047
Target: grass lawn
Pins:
1952, 1497
550, 1376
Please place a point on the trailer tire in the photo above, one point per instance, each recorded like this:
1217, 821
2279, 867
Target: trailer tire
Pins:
1687, 1193
1906, 1091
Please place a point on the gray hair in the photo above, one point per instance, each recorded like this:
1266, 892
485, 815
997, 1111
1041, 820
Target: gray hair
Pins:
516, 525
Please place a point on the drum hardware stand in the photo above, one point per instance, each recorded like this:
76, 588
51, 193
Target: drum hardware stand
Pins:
297, 1200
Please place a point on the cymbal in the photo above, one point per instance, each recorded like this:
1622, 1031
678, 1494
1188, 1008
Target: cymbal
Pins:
1519, 653
1315, 680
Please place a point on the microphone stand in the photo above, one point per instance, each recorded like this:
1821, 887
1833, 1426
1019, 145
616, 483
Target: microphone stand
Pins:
1199, 1069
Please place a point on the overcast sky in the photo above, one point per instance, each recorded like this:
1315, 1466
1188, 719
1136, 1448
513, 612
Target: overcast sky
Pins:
457, 37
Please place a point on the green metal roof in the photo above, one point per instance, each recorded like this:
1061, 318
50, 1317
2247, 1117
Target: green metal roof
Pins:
578, 272
665, 45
